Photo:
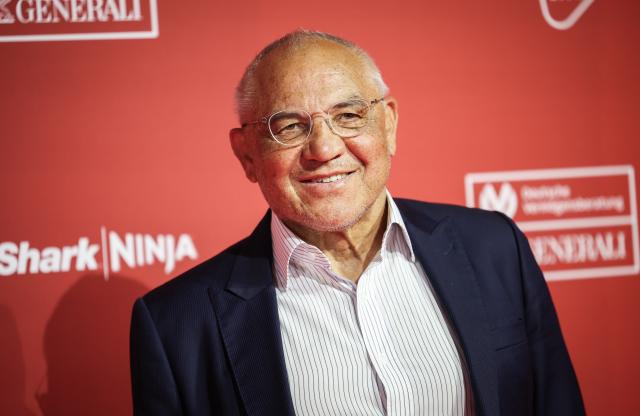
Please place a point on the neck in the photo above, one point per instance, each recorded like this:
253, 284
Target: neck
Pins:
350, 250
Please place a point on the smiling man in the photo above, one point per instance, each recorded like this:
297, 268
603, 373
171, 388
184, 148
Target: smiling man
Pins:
344, 300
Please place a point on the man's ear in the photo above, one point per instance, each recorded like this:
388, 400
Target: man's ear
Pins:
241, 148
390, 123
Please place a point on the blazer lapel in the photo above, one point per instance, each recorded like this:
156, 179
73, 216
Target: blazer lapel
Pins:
247, 314
448, 268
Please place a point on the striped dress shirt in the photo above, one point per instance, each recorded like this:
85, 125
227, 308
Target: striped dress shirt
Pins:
378, 347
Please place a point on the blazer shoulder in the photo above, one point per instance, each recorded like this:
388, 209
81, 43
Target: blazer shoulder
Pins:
465, 218
484, 234
211, 273
192, 287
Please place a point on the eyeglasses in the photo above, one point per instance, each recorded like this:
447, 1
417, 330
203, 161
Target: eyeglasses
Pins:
293, 127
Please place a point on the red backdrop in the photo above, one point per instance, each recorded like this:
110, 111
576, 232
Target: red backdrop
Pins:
117, 150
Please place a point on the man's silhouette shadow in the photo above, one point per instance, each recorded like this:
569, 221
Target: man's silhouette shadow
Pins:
12, 378
86, 347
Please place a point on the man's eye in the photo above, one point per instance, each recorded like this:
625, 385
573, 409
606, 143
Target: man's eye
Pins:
348, 120
349, 116
293, 127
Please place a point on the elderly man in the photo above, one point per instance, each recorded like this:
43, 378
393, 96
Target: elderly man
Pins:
344, 301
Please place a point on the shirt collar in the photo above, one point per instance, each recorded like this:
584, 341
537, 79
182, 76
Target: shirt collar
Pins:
289, 248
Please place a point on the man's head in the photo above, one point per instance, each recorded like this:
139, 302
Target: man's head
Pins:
327, 182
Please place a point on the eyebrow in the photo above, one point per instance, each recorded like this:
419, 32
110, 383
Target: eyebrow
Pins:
342, 101
354, 97
347, 101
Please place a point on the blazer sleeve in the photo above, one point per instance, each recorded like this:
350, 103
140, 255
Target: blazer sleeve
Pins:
556, 390
153, 386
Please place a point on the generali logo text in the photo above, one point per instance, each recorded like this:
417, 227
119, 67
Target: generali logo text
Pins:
114, 252
580, 222
50, 20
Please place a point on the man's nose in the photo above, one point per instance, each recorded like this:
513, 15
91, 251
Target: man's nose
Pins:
323, 144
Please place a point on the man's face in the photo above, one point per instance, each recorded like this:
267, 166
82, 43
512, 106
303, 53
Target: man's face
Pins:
328, 183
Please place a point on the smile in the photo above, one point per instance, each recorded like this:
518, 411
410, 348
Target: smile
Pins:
335, 178
330, 179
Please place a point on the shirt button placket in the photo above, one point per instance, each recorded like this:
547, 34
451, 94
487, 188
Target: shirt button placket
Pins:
369, 328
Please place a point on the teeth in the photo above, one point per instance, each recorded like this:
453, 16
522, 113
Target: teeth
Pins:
330, 178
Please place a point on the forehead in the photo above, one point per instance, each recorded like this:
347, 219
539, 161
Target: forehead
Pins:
311, 76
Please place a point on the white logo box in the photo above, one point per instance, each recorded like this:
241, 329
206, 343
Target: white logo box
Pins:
504, 201
152, 33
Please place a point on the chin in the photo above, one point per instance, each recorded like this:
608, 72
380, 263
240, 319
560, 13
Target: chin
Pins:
323, 215
328, 224
332, 218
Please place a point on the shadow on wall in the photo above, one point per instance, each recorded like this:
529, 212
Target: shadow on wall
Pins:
11, 367
86, 347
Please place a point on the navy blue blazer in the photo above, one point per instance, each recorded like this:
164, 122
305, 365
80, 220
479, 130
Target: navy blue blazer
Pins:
208, 342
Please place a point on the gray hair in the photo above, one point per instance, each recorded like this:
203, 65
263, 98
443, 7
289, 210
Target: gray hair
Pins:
246, 90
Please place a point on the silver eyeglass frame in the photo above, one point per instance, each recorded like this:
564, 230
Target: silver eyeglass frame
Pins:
327, 119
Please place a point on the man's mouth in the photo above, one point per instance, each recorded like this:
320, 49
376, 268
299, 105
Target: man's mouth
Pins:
328, 179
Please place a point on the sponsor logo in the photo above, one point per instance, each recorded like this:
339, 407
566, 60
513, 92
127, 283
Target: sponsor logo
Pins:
51, 20
571, 9
505, 200
580, 222
114, 252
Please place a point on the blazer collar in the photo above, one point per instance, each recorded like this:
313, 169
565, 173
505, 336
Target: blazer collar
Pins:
247, 314
253, 258
441, 253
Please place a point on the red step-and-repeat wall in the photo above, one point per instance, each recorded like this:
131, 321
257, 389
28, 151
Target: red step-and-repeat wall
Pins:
117, 174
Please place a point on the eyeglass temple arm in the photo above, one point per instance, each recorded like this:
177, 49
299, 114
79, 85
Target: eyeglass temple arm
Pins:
262, 120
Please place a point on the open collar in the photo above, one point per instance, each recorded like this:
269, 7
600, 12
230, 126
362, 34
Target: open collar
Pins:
288, 247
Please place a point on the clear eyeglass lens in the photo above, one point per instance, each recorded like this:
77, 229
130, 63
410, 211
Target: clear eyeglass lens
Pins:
291, 127
349, 117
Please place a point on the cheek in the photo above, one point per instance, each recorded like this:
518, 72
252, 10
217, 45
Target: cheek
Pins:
275, 168
371, 151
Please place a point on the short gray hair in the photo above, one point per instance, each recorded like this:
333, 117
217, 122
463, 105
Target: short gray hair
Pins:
246, 89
